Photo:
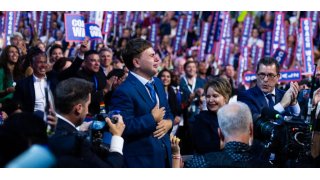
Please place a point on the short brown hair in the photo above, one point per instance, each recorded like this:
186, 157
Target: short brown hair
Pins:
133, 49
220, 85
268, 61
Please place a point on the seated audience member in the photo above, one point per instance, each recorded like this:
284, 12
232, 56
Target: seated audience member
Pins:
30, 91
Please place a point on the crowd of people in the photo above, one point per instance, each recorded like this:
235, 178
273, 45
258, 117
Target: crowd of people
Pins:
175, 109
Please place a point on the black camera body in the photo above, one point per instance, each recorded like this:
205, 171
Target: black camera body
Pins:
289, 139
99, 128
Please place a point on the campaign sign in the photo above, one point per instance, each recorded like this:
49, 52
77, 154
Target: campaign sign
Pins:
178, 38
48, 24
1, 24
280, 55
267, 37
247, 26
288, 76
278, 23
189, 21
204, 36
315, 17
17, 21
307, 45
210, 42
248, 77
75, 27
107, 22
285, 76
9, 26
241, 66
153, 34
41, 22
93, 31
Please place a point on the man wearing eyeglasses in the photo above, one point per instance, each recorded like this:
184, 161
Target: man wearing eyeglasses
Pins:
266, 95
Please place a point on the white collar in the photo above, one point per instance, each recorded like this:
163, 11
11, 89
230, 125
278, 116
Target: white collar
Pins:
143, 80
273, 92
66, 120
36, 79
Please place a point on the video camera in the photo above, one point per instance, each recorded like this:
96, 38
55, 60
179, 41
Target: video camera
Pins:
99, 130
288, 137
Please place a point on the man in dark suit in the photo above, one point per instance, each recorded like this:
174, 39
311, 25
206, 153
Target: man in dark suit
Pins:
71, 148
145, 109
90, 72
265, 95
30, 91
264, 100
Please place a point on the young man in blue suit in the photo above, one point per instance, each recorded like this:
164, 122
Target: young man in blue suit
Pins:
142, 101
266, 96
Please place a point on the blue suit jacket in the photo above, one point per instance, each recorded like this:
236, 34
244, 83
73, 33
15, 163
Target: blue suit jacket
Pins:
256, 100
141, 149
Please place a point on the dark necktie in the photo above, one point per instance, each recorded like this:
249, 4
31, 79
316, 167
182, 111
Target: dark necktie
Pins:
270, 99
152, 91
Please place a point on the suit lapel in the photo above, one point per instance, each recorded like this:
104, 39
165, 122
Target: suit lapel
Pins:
31, 90
142, 91
260, 96
64, 126
158, 86
278, 96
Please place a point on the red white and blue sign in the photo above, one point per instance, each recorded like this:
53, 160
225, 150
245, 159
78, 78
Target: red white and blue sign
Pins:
204, 36
75, 27
307, 45
280, 55
247, 26
107, 22
285, 76
278, 23
9, 26
178, 37
153, 34
93, 31
267, 37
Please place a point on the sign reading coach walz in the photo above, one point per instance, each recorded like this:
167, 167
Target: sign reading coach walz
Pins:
75, 27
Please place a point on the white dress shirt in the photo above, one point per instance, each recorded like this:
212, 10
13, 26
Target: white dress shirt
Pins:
40, 98
116, 144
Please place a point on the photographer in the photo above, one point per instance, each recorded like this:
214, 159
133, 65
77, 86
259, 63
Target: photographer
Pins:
72, 148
